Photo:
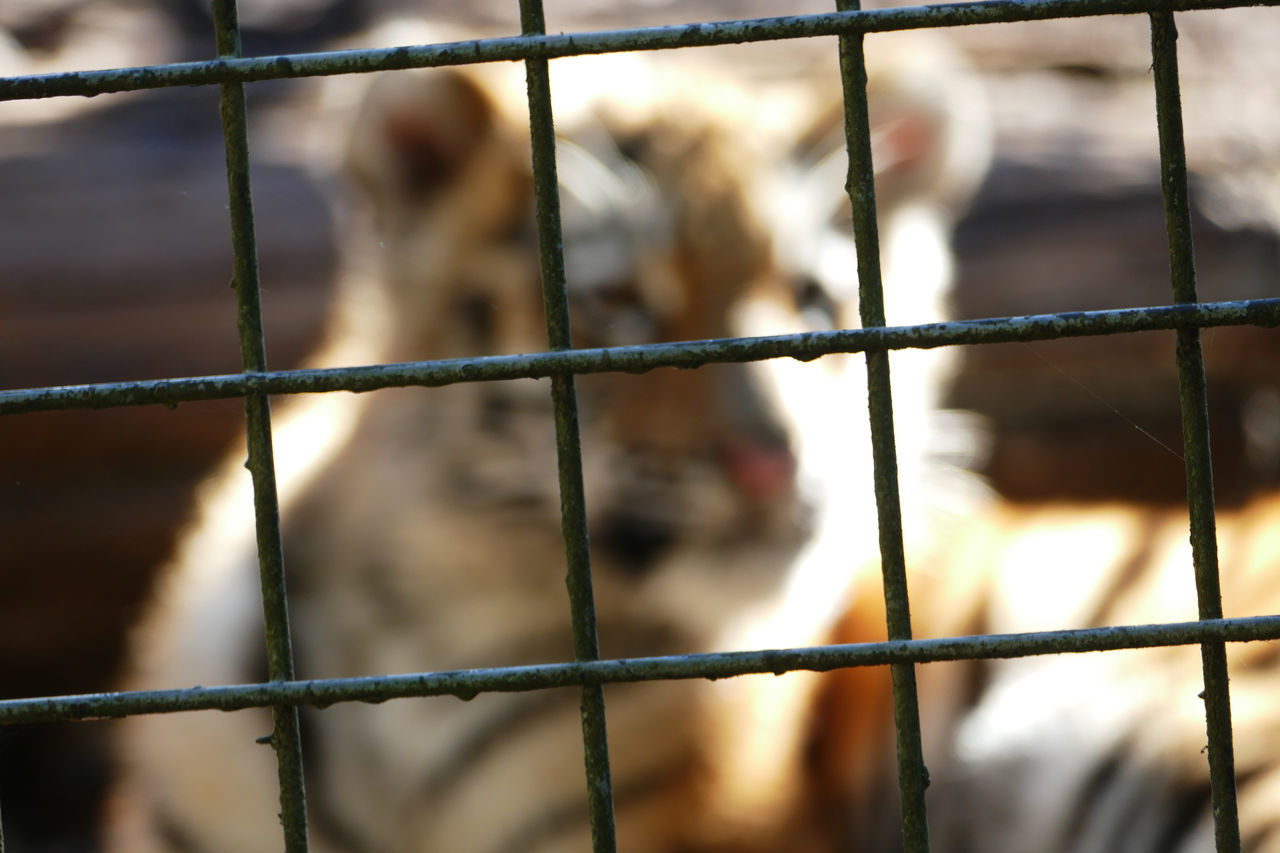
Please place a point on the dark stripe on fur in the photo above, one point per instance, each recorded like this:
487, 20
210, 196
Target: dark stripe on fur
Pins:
571, 816
175, 837
469, 752
1189, 805
1156, 811
1094, 789
1134, 568
323, 821
489, 734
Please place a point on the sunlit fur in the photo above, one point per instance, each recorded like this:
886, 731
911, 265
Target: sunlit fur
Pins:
1071, 753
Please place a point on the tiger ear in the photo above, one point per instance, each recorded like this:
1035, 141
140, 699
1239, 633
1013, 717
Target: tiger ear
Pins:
417, 132
930, 129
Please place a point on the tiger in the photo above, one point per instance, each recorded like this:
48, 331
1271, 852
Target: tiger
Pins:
1072, 753
421, 527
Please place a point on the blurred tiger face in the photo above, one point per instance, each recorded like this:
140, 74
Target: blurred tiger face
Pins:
689, 473
426, 534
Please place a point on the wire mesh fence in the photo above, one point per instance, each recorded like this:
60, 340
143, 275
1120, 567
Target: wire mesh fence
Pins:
561, 363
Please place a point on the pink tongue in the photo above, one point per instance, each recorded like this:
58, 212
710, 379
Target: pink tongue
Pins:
762, 472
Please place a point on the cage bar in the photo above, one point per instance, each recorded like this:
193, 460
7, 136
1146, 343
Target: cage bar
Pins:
251, 69
1264, 313
468, 683
285, 694
1194, 400
286, 738
573, 504
913, 776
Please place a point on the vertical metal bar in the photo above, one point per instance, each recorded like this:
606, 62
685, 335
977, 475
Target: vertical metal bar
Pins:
913, 776
555, 298
285, 737
1195, 427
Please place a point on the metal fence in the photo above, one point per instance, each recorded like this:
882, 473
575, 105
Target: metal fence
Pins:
561, 363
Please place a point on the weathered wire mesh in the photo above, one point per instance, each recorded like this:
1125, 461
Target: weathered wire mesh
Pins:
561, 363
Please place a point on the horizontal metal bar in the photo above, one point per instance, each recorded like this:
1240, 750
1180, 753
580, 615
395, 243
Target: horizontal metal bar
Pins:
250, 69
467, 684
638, 359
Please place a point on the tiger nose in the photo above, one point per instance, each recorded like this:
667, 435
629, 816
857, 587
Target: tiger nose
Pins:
762, 467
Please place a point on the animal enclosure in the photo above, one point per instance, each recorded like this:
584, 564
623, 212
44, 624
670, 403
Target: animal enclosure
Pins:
233, 73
